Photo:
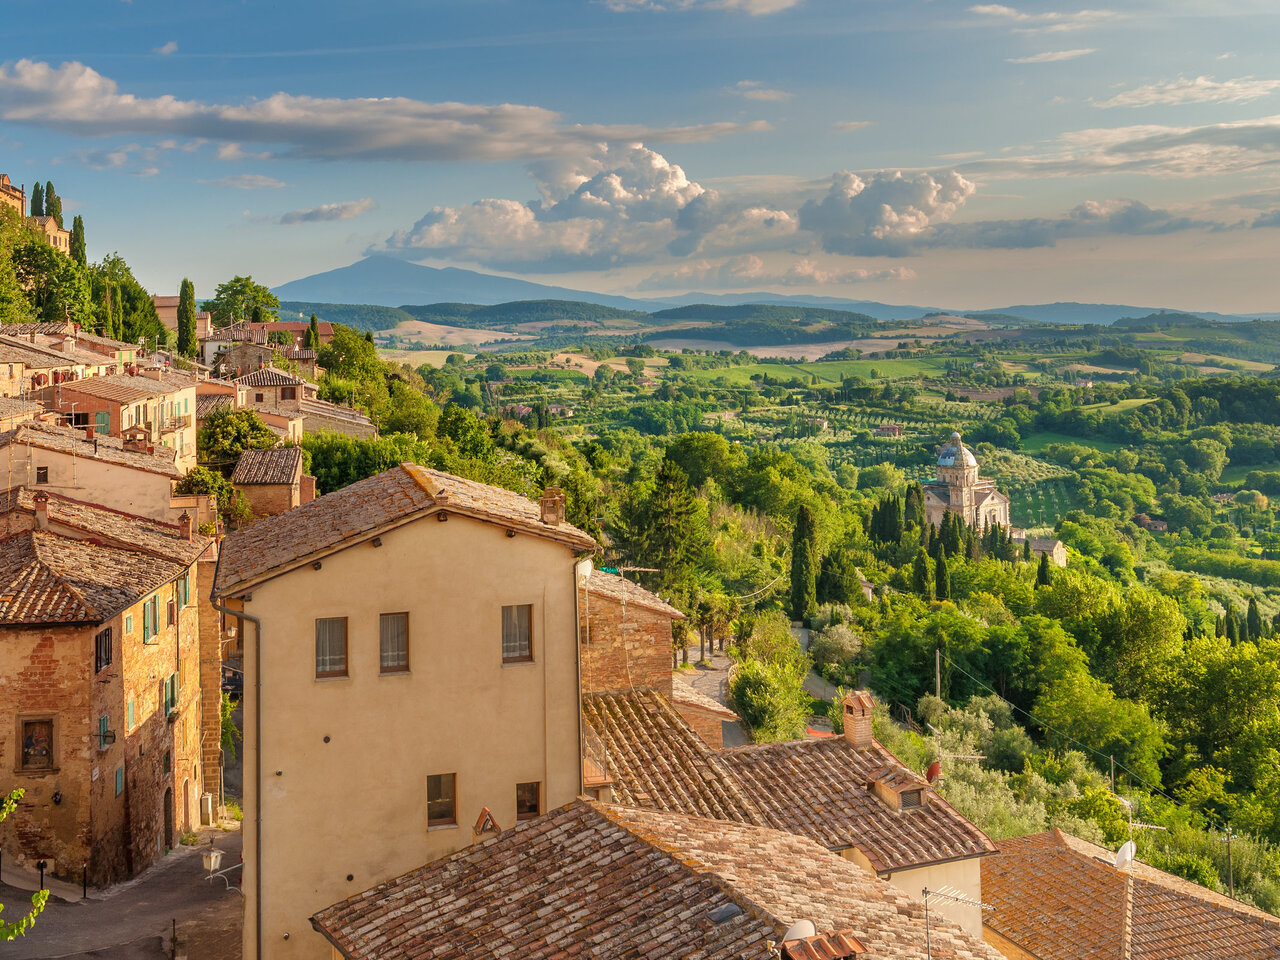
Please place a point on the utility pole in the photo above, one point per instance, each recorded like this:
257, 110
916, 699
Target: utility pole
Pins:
1113, 773
1231, 876
937, 672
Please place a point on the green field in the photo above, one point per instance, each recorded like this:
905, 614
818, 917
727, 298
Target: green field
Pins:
1036, 442
1120, 407
1236, 472
829, 371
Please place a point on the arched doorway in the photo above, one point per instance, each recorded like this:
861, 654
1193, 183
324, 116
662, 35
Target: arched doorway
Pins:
186, 806
168, 818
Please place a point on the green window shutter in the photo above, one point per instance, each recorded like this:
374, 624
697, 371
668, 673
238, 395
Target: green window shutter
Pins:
103, 723
119, 780
146, 621
128, 725
102, 422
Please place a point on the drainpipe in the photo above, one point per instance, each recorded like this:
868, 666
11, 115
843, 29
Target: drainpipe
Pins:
257, 756
581, 570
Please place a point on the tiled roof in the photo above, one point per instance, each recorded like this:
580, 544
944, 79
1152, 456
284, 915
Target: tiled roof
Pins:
275, 465
47, 578
276, 544
1061, 899
56, 328
613, 883
121, 389
104, 448
657, 761
101, 524
819, 789
683, 694
14, 407
207, 403
323, 408
613, 587
270, 377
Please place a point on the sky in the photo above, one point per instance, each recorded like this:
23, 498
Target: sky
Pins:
910, 151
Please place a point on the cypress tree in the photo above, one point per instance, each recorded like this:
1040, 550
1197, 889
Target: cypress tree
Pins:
926, 535
1026, 549
52, 203
1232, 633
971, 545
913, 512
804, 565
1044, 576
312, 341
186, 318
942, 579
953, 535
37, 200
1253, 620
78, 253
921, 582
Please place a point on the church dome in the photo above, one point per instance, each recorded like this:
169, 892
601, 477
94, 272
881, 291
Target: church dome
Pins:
956, 454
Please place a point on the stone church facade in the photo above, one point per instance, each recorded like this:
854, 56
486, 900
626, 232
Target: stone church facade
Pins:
961, 491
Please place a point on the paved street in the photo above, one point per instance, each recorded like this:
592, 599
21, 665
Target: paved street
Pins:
134, 920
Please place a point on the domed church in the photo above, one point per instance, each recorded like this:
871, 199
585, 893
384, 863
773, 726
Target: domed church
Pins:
959, 490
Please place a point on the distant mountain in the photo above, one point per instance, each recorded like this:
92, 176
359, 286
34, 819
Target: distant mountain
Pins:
389, 282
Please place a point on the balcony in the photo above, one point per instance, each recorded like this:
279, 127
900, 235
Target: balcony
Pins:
176, 424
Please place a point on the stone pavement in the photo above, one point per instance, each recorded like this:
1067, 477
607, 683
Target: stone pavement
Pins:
135, 920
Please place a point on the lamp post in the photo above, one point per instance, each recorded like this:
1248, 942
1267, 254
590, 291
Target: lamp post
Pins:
40, 865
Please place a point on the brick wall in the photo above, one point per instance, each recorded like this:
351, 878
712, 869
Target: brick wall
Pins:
623, 651
210, 679
706, 725
270, 499
44, 673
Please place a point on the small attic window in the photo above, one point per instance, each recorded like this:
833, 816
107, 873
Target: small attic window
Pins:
911, 799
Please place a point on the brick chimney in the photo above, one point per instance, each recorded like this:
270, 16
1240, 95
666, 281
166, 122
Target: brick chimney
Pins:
857, 718
90, 432
552, 506
184, 525
42, 510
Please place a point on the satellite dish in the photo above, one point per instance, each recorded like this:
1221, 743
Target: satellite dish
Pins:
1125, 855
800, 929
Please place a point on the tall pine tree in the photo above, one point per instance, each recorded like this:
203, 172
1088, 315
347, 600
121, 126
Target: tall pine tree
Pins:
78, 253
804, 565
186, 318
52, 203
37, 200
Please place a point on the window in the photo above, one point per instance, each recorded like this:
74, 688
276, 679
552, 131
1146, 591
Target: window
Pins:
171, 612
911, 798
128, 624
128, 717
184, 590
288, 393
150, 620
168, 762
102, 650
42, 474
441, 799
102, 422
169, 688
258, 398
37, 744
393, 643
528, 800
119, 780
331, 647
517, 639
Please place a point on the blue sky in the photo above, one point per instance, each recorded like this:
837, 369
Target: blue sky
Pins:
949, 153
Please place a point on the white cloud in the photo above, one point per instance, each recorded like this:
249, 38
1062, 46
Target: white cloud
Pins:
1048, 22
1053, 56
167, 48
755, 90
749, 270
848, 126
1199, 90
76, 99
247, 181
754, 8
883, 214
328, 211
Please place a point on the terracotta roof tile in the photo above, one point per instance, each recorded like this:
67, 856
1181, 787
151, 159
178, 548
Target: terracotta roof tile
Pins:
624, 591
122, 389
657, 761
47, 578
819, 789
1062, 899
275, 465
616, 883
276, 544
107, 449
270, 377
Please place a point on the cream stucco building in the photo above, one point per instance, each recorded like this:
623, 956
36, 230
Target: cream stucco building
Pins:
959, 490
410, 665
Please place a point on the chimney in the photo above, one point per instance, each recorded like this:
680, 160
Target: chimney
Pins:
42, 510
857, 718
90, 432
32, 336
552, 506
184, 525
68, 345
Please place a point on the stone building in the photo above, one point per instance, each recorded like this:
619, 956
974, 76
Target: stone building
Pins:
959, 490
11, 196
272, 480
53, 234
418, 635
100, 700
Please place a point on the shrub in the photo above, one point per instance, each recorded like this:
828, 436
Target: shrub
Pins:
837, 644
771, 698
